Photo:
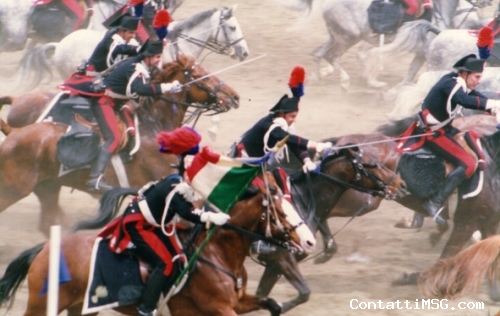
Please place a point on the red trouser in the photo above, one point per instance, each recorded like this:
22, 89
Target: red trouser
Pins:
75, 8
412, 7
446, 147
104, 113
153, 246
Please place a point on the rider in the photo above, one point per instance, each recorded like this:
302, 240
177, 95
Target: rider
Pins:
141, 222
118, 43
128, 80
274, 127
73, 8
444, 101
412, 8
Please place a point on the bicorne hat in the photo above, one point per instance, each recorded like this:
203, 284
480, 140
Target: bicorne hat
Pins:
151, 48
470, 63
125, 22
286, 105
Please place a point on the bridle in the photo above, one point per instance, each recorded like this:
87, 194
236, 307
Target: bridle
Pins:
360, 170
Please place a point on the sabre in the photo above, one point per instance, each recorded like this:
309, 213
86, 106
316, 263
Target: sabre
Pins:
383, 141
225, 69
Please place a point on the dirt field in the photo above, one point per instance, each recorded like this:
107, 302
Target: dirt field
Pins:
382, 251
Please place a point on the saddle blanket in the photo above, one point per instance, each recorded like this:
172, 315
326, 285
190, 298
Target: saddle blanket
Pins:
110, 276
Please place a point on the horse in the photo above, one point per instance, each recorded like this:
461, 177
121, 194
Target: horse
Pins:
463, 274
347, 25
357, 203
217, 30
40, 173
439, 51
17, 17
216, 285
314, 195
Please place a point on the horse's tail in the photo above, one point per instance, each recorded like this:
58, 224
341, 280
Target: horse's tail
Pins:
463, 273
396, 128
16, 272
35, 64
5, 128
110, 204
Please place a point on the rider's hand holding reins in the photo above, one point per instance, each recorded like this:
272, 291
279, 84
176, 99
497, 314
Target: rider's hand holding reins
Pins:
218, 218
309, 166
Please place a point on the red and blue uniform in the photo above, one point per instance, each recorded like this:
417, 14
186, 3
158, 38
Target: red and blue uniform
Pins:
443, 102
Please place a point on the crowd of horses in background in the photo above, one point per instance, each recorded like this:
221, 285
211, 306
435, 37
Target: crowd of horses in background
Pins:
348, 179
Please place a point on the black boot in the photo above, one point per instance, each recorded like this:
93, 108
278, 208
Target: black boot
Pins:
407, 18
434, 204
152, 292
96, 178
259, 247
125, 152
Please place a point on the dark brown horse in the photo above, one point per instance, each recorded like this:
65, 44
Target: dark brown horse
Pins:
28, 160
212, 287
26, 109
354, 202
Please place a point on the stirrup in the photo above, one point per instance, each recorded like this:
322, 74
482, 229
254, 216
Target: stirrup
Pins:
98, 184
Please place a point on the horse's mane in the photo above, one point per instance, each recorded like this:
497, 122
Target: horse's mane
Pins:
192, 21
166, 73
396, 128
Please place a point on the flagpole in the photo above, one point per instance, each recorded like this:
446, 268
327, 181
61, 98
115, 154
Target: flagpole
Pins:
54, 262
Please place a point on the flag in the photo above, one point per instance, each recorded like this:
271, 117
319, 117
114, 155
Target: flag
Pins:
222, 180
64, 275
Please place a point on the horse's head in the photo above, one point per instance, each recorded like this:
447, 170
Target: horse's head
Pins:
229, 34
14, 24
364, 172
280, 220
207, 89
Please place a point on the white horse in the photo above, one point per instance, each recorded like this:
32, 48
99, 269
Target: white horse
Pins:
215, 29
347, 24
15, 27
440, 51
411, 95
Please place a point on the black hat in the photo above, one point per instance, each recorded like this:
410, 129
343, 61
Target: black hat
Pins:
151, 48
286, 105
470, 63
125, 22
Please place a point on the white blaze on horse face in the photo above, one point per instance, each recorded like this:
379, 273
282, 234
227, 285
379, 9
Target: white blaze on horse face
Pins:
307, 240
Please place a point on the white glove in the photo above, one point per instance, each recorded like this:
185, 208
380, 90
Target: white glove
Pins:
492, 104
218, 218
320, 147
173, 87
309, 166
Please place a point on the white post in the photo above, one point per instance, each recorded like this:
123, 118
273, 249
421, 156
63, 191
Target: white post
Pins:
54, 258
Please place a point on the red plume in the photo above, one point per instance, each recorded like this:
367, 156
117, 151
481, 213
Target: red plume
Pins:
178, 141
297, 76
485, 42
162, 18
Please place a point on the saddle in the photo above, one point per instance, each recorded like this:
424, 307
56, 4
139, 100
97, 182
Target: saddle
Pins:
387, 16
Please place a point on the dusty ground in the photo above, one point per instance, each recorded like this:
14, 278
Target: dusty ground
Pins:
288, 39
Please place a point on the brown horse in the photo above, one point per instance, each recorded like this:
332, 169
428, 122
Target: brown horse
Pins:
28, 160
26, 109
212, 288
462, 274
357, 203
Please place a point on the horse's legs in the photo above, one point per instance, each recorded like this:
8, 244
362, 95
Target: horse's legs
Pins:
461, 233
268, 280
284, 264
248, 303
329, 244
51, 213
318, 55
76, 310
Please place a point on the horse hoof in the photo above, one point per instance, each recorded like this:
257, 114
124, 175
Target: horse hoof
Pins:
324, 258
406, 279
376, 84
405, 222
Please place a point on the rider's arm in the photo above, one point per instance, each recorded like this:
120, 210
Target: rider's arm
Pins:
145, 89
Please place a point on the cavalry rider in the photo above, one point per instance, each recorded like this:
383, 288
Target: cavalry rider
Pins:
118, 44
74, 9
277, 125
441, 105
155, 206
129, 80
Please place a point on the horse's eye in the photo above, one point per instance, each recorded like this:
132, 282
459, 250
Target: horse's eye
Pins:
233, 28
